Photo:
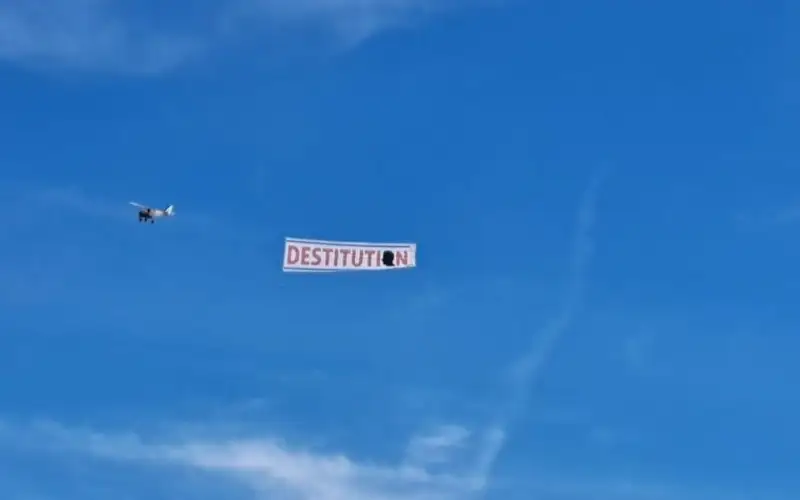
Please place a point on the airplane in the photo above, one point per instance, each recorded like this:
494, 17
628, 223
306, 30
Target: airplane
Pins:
151, 214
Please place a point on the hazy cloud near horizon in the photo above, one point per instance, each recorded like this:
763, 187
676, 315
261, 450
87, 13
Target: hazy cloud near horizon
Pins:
125, 36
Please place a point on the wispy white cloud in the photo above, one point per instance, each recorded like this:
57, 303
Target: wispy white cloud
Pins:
122, 36
351, 21
438, 446
272, 469
87, 34
771, 217
525, 370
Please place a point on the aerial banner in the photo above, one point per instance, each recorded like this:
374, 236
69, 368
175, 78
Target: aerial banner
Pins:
302, 255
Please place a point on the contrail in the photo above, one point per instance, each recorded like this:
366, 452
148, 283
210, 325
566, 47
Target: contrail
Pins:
526, 369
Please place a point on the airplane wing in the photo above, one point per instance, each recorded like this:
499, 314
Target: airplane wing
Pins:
138, 205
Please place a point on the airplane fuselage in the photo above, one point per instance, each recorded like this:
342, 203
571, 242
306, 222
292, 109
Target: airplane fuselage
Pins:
149, 215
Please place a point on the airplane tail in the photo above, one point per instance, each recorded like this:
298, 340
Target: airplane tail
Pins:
170, 210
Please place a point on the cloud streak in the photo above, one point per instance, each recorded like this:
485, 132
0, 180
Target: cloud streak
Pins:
87, 35
134, 37
271, 469
268, 467
525, 370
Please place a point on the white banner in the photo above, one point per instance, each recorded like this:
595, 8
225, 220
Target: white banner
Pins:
301, 255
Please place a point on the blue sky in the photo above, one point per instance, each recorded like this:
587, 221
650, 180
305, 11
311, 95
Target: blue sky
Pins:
604, 198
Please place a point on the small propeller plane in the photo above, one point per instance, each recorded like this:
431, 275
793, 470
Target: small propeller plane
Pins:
151, 214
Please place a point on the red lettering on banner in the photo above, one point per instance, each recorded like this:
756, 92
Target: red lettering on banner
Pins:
292, 255
402, 258
360, 258
315, 256
318, 255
